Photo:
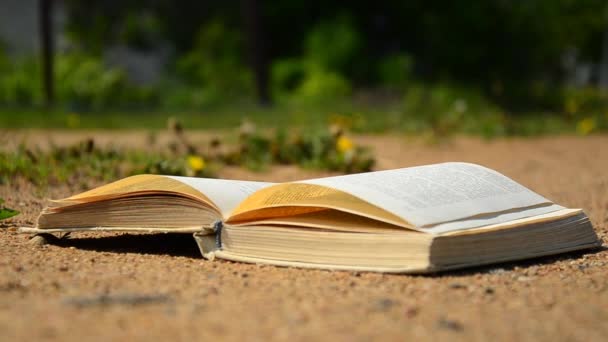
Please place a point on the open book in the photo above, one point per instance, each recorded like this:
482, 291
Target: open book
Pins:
418, 219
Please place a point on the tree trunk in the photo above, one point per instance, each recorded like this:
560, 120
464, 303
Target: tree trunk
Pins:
603, 79
256, 45
46, 42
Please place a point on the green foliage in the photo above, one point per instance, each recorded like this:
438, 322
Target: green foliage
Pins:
187, 96
164, 164
6, 212
322, 86
395, 71
59, 164
588, 107
512, 50
20, 82
287, 75
320, 148
535, 124
333, 44
585, 102
303, 83
445, 109
87, 162
213, 68
331, 150
253, 152
318, 76
81, 81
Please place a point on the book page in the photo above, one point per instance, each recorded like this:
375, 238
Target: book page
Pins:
134, 185
446, 229
327, 219
432, 194
289, 199
495, 219
225, 194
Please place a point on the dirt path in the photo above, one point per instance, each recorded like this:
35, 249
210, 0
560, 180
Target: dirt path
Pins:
157, 286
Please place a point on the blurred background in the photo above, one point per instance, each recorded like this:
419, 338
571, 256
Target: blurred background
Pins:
491, 68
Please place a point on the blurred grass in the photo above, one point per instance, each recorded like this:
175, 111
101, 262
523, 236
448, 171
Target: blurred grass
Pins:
360, 121
437, 118
221, 117
85, 161
325, 149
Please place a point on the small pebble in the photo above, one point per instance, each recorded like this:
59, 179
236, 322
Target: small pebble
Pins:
38, 240
497, 271
448, 324
457, 286
385, 304
411, 312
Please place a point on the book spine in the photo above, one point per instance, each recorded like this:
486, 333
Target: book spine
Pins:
217, 229
209, 240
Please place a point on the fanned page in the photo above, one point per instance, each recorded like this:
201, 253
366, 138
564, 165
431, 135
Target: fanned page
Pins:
221, 194
225, 194
144, 183
444, 197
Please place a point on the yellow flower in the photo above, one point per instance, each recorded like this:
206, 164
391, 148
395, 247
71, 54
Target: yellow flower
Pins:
344, 144
585, 126
196, 163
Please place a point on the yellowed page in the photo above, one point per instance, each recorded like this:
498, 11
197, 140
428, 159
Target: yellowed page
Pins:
221, 194
434, 198
295, 198
328, 219
138, 184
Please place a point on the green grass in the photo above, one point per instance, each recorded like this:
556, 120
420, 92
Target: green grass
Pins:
221, 117
83, 162
328, 148
358, 118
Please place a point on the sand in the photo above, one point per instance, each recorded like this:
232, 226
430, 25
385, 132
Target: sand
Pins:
126, 287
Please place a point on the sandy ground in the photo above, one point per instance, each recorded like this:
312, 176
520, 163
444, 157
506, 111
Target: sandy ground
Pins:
124, 287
